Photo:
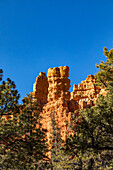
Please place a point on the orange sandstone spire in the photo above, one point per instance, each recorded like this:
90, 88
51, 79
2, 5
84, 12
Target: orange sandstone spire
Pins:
53, 95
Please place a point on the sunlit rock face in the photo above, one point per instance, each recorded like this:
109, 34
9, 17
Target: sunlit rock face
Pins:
58, 100
40, 89
86, 92
53, 97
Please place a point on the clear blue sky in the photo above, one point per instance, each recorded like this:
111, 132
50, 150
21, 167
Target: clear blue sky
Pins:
38, 34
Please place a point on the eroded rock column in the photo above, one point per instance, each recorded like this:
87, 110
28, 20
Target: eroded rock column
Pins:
40, 89
58, 100
86, 92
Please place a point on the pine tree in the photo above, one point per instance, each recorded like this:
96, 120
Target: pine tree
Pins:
56, 143
92, 142
22, 139
34, 137
8, 108
59, 159
105, 71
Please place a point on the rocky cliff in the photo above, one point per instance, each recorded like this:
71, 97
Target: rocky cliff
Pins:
53, 96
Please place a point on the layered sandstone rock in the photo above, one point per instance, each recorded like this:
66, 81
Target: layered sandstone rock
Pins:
53, 97
40, 89
58, 100
59, 84
86, 92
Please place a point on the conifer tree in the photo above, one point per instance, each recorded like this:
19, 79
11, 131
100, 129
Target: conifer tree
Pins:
56, 144
105, 71
92, 142
59, 159
33, 135
22, 139
8, 108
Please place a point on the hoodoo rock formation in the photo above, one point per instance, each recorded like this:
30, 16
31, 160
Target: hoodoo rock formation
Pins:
53, 96
86, 92
40, 89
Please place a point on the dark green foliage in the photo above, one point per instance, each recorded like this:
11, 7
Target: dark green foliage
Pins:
22, 140
92, 142
33, 141
8, 97
56, 138
59, 159
105, 73
56, 144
